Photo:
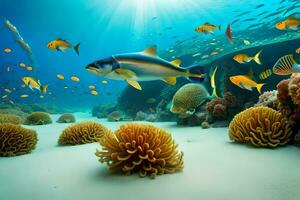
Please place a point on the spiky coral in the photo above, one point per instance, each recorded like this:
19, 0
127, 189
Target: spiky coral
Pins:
260, 127
145, 149
38, 118
16, 140
66, 118
12, 119
82, 133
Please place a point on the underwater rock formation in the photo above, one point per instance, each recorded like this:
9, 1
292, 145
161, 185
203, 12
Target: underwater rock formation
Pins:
82, 133
101, 111
9, 118
145, 149
66, 118
269, 99
38, 118
115, 116
260, 127
188, 98
16, 140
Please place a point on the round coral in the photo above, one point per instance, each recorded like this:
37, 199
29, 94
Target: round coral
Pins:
12, 119
188, 98
82, 133
294, 88
219, 111
66, 118
38, 118
145, 149
283, 92
16, 140
260, 127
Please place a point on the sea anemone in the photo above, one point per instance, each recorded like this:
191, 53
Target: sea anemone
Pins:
145, 149
66, 118
16, 140
188, 98
82, 133
260, 127
38, 118
9, 118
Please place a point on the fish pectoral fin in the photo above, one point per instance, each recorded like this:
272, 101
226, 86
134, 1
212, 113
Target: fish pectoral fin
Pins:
170, 80
134, 84
150, 51
125, 73
176, 62
241, 85
294, 28
58, 48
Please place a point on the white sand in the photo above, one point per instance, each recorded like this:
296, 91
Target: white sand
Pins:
215, 169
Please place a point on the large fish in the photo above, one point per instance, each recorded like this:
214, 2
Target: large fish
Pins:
144, 66
286, 65
246, 82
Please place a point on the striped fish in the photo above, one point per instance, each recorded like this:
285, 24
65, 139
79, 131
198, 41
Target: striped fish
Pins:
286, 65
265, 74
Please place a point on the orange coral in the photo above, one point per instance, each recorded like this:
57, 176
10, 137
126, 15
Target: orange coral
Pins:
9, 118
145, 149
261, 127
16, 140
82, 133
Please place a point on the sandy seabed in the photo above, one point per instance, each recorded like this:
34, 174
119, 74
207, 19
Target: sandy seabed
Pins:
215, 169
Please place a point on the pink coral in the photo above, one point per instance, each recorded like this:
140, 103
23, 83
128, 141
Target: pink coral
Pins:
220, 111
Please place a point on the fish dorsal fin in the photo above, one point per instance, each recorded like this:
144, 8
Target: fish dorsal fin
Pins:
125, 73
151, 51
170, 80
176, 62
134, 84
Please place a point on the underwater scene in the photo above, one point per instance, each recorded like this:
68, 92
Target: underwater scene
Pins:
149, 99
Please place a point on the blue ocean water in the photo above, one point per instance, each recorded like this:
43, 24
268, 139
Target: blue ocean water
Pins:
104, 28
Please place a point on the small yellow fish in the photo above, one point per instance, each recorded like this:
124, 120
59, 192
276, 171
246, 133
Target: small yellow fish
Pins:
7, 90
265, 74
207, 28
247, 42
44, 89
92, 87
213, 83
245, 82
31, 82
213, 53
94, 92
29, 68
244, 58
291, 23
104, 82
62, 45
7, 50
59, 76
74, 78
24, 95
298, 50
22, 65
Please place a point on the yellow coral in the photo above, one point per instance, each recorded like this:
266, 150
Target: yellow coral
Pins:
188, 98
261, 127
145, 149
82, 133
16, 140
9, 118
38, 118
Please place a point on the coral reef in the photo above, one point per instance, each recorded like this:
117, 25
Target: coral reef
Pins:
38, 118
16, 140
269, 99
82, 133
66, 118
115, 116
145, 149
188, 98
260, 127
9, 118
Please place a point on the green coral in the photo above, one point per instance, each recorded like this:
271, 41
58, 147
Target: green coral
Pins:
38, 118
9, 118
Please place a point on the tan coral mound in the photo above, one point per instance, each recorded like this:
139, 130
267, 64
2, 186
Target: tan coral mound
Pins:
82, 133
260, 127
9, 118
66, 118
188, 98
145, 149
38, 118
16, 140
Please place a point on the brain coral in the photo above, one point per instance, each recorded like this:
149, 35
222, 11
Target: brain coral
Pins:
145, 149
16, 140
66, 118
260, 126
294, 88
188, 98
12, 119
82, 133
38, 118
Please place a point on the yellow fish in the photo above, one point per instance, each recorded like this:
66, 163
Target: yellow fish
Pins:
94, 92
247, 42
245, 82
213, 83
207, 28
22, 65
7, 50
24, 96
104, 82
59, 76
92, 87
29, 68
32, 83
62, 45
265, 74
244, 58
291, 23
7, 90
74, 78
44, 89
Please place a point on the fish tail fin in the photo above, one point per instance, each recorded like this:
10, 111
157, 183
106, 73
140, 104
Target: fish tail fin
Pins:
220, 26
214, 94
76, 48
256, 58
196, 74
259, 87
